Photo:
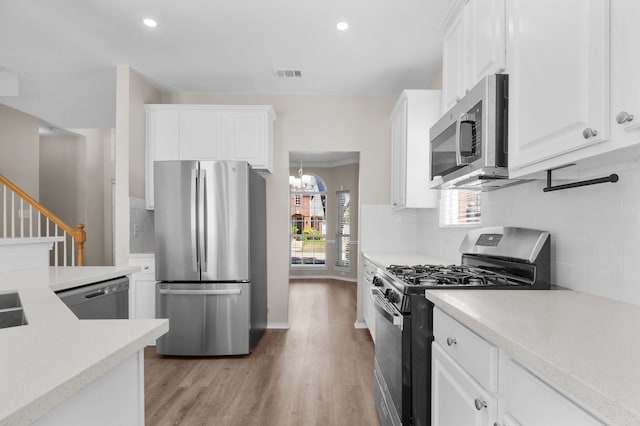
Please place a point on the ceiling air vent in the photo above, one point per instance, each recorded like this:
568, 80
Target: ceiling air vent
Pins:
288, 73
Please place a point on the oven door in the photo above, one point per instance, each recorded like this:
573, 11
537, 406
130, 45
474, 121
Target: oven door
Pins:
388, 360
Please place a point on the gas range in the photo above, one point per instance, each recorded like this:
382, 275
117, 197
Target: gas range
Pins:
492, 259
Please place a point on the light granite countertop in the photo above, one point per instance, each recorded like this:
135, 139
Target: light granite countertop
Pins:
56, 355
586, 346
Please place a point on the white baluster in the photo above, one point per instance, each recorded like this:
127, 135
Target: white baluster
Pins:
64, 246
73, 252
30, 220
21, 218
4, 211
13, 215
55, 247
39, 224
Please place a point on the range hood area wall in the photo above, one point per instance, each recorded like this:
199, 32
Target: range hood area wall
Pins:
594, 231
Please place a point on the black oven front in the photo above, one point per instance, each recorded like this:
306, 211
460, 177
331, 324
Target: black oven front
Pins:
392, 363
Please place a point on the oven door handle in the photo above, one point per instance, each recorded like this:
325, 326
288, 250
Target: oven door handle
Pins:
394, 318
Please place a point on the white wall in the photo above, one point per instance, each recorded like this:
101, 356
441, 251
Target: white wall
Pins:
132, 92
595, 231
312, 123
19, 149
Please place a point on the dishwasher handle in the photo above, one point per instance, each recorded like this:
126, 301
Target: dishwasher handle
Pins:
96, 293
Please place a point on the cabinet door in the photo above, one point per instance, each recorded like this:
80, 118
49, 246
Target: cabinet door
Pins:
525, 395
163, 143
246, 138
453, 66
399, 155
487, 40
558, 55
201, 136
625, 71
145, 296
456, 398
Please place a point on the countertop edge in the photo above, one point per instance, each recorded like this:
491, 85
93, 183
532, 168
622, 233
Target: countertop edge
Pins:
601, 405
44, 404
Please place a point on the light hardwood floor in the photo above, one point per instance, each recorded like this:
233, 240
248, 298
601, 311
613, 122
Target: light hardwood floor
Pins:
319, 372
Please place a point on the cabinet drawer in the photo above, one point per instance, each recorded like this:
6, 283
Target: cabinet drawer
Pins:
525, 395
477, 356
147, 265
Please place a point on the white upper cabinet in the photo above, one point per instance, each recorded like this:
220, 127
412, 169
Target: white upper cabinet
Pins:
453, 86
415, 112
486, 39
625, 72
208, 132
201, 135
558, 66
473, 46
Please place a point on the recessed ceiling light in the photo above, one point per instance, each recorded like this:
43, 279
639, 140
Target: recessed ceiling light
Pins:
150, 22
342, 26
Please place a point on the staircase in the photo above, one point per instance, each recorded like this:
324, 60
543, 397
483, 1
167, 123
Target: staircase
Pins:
27, 229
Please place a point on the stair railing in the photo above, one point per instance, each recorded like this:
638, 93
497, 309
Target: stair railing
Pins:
53, 226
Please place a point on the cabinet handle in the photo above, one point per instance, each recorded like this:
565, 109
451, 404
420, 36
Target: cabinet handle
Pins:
589, 132
146, 268
623, 117
451, 341
480, 404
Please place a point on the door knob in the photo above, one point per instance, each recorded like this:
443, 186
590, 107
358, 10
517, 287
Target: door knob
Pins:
623, 117
589, 132
480, 404
451, 341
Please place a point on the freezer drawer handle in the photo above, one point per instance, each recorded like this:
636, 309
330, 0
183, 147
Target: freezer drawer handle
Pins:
201, 292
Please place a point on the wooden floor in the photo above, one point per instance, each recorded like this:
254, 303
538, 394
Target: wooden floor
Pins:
319, 372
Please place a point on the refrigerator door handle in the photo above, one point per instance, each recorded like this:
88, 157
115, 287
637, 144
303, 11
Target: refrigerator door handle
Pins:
202, 292
202, 214
194, 228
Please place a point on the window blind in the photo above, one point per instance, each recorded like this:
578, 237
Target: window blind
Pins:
459, 207
343, 221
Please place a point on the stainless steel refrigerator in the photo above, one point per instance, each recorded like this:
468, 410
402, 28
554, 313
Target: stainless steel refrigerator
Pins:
210, 225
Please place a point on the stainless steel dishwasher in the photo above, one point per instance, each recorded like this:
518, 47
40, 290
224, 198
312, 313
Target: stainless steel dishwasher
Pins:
103, 300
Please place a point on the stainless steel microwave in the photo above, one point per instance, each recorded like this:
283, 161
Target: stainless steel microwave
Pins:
469, 144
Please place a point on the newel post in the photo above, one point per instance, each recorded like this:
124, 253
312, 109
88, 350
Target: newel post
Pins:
81, 237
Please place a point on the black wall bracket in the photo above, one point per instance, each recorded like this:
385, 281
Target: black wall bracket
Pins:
611, 178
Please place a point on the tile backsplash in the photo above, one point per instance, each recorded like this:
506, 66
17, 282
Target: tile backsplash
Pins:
141, 227
595, 231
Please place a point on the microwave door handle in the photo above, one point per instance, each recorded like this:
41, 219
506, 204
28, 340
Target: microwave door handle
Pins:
194, 218
458, 141
466, 118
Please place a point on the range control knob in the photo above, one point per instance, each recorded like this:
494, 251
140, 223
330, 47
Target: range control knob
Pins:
393, 298
377, 282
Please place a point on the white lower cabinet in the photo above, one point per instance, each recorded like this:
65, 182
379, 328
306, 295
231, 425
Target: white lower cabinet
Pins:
458, 399
142, 289
527, 400
466, 390
369, 269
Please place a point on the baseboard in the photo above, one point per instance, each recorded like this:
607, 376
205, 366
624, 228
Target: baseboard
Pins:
278, 325
360, 324
322, 277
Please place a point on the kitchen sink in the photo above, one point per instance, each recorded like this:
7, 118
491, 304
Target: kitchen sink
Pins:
9, 300
11, 312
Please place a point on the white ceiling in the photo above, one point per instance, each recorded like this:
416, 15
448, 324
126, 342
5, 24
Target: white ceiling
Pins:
66, 51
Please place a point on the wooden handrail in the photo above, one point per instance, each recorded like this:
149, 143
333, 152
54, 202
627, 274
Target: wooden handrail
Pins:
79, 235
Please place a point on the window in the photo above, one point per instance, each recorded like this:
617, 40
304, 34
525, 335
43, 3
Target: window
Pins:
308, 221
459, 208
343, 221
